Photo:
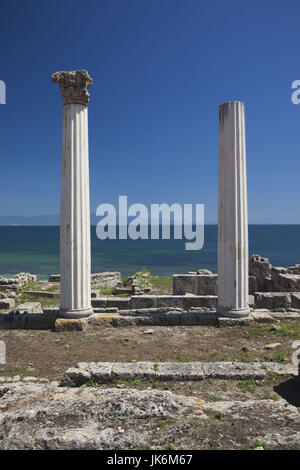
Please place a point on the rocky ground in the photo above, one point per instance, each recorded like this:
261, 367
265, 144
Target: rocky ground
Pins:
35, 416
141, 413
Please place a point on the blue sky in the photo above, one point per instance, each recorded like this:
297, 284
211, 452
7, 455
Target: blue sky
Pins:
160, 69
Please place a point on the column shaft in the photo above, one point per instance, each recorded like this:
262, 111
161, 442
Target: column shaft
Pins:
232, 212
75, 236
75, 257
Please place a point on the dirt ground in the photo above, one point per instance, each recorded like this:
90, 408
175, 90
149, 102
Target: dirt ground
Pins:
48, 354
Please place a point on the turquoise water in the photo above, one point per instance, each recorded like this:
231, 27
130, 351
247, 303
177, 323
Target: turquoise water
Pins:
36, 250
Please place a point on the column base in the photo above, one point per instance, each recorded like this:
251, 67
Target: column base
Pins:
74, 314
233, 313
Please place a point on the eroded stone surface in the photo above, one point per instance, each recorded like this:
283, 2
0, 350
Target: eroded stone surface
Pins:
45, 416
104, 372
272, 300
73, 86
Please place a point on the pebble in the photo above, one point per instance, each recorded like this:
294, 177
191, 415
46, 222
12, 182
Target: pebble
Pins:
272, 345
275, 327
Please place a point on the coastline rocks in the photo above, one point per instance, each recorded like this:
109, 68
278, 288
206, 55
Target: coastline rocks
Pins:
18, 280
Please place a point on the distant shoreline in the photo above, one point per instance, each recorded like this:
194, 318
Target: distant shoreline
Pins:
172, 225
35, 249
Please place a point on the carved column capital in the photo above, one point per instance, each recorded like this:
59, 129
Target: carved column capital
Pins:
73, 86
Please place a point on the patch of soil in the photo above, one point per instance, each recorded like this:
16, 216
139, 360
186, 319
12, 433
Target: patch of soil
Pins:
48, 354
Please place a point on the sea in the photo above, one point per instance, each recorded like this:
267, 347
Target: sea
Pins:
35, 249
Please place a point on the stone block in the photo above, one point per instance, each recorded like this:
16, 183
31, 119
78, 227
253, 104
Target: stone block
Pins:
65, 324
272, 300
99, 303
105, 279
143, 301
123, 290
75, 377
185, 284
198, 318
261, 316
169, 301
252, 285
285, 282
42, 293
7, 303
280, 369
259, 267
30, 307
179, 371
233, 370
295, 299
207, 284
294, 269
209, 301
285, 315
100, 372
130, 371
227, 321
100, 319
118, 302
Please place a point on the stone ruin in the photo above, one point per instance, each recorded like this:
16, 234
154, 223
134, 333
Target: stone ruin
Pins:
105, 279
230, 293
270, 287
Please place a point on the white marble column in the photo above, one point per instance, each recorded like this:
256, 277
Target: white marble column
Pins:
232, 212
75, 243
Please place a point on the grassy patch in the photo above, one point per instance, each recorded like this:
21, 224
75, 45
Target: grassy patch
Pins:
121, 341
33, 285
44, 301
157, 284
219, 416
214, 398
262, 444
249, 385
286, 331
162, 283
134, 382
11, 372
181, 358
280, 357
169, 447
52, 289
153, 382
91, 383
104, 290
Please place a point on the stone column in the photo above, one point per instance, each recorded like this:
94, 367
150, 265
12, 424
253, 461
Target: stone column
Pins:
75, 243
232, 213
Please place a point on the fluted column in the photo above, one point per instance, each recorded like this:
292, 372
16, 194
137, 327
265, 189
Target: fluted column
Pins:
232, 212
75, 243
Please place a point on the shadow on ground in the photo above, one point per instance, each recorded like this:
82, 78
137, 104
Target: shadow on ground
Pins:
290, 391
